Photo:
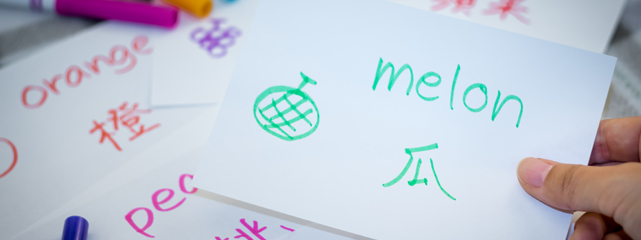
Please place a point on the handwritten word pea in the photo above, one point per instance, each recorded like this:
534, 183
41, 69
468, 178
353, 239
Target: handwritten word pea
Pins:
157, 205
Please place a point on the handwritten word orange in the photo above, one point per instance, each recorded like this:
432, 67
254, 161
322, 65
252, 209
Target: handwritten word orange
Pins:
123, 116
15, 156
119, 56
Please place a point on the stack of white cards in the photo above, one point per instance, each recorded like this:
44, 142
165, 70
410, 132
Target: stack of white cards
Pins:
283, 119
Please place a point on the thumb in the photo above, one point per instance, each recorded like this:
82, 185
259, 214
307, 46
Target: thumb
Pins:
610, 190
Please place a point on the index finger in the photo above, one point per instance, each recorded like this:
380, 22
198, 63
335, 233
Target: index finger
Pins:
617, 140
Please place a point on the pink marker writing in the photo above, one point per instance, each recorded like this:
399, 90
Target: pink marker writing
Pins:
254, 229
157, 205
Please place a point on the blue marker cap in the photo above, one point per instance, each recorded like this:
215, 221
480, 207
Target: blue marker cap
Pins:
75, 228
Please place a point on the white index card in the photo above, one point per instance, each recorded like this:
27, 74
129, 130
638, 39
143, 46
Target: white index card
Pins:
393, 123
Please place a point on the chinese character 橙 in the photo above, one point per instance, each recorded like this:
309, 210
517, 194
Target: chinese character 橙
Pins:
123, 117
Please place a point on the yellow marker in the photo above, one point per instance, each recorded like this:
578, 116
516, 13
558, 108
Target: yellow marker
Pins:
198, 8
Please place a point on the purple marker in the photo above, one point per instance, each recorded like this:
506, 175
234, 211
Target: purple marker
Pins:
103, 9
76, 228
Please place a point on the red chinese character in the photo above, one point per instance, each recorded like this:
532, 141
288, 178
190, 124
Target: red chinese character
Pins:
129, 117
123, 116
463, 6
508, 7
104, 134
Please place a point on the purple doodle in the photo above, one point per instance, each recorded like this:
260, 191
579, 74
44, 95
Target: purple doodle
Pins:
216, 40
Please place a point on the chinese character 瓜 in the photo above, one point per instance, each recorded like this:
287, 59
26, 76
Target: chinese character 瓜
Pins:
415, 180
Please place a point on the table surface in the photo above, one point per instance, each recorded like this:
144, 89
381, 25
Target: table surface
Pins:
23, 32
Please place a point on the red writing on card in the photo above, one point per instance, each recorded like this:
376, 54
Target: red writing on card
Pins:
463, 6
503, 8
124, 116
508, 7
157, 205
15, 156
119, 57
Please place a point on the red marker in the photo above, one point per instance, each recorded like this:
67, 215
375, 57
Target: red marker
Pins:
103, 9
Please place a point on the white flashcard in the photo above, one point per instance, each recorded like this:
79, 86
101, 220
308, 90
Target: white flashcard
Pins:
393, 123
583, 24
71, 114
152, 197
194, 62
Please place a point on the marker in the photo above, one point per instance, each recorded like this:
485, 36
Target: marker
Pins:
198, 8
103, 9
75, 228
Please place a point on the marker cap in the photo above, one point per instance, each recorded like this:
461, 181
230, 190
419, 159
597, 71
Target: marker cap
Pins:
198, 8
76, 228
119, 10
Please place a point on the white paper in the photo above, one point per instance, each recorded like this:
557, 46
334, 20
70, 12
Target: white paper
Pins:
200, 216
58, 156
335, 175
197, 217
583, 24
194, 62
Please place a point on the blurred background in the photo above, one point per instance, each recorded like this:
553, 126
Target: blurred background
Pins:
23, 32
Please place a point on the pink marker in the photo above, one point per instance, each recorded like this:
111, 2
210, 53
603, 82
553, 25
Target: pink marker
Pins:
104, 9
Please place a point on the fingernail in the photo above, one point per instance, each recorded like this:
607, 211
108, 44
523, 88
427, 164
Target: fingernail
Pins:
532, 171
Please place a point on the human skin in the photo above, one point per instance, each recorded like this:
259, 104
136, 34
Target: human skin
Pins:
608, 189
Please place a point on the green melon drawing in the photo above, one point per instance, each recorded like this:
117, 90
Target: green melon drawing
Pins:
286, 112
